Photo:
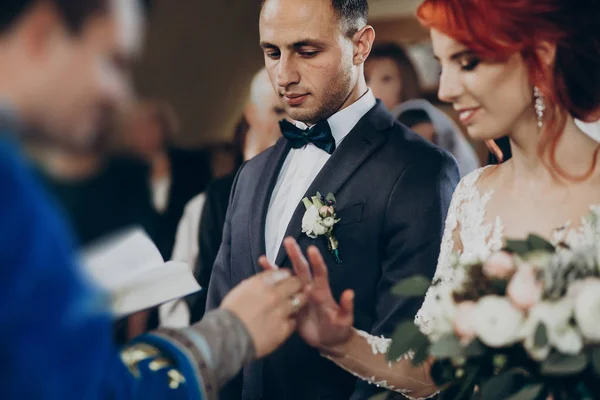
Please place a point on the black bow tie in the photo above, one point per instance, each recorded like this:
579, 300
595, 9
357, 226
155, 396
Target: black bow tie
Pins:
319, 135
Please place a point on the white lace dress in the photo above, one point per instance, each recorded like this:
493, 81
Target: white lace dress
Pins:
467, 236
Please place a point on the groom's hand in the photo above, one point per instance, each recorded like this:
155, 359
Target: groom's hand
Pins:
323, 322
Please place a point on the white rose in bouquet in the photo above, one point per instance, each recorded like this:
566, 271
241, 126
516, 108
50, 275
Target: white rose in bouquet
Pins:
442, 309
310, 222
556, 317
587, 309
497, 321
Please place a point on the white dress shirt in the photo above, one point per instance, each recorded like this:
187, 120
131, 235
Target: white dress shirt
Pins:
301, 167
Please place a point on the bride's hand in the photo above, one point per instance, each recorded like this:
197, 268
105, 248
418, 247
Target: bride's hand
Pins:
323, 323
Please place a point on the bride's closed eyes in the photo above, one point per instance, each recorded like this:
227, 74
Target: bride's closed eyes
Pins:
468, 62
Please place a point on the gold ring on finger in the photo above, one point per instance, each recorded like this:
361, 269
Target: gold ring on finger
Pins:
295, 304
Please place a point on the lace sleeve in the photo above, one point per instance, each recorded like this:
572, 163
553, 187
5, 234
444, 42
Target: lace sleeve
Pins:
429, 316
364, 354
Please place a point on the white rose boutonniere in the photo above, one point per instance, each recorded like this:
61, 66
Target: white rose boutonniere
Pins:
320, 219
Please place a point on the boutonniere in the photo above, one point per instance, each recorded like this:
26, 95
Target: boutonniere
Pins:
319, 220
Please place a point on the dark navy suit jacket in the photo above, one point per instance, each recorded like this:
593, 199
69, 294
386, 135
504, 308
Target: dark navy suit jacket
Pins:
393, 190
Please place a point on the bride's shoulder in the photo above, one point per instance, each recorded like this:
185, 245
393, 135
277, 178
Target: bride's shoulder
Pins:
479, 179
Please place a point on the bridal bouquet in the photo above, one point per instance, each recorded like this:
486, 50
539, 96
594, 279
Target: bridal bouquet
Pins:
522, 324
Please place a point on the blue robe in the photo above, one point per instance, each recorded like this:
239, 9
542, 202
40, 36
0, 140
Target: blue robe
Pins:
55, 331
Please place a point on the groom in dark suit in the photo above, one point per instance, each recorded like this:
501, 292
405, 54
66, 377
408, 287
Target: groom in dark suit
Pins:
393, 190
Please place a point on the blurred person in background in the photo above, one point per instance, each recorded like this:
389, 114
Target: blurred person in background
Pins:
201, 228
176, 175
64, 66
424, 118
99, 193
391, 75
225, 158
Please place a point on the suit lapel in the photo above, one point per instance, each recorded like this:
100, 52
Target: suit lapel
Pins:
263, 197
364, 139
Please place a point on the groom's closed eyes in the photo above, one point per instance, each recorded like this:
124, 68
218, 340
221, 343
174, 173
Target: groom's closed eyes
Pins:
307, 48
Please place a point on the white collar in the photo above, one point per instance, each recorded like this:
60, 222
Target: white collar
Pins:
592, 129
343, 121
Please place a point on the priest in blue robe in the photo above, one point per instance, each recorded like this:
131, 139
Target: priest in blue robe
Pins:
62, 64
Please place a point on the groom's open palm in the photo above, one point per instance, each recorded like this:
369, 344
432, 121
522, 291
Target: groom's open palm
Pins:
323, 322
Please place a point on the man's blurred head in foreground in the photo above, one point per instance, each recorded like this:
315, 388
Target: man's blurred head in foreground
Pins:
65, 64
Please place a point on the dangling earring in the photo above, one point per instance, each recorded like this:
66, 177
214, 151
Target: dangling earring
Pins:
540, 106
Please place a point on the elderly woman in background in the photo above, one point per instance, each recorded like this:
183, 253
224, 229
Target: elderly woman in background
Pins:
435, 126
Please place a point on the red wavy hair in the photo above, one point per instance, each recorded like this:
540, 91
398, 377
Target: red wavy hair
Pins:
498, 29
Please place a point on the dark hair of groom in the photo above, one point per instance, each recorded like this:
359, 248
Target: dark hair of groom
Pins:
352, 13
74, 12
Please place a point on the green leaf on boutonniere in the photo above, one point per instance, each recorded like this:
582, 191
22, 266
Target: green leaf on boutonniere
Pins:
562, 365
407, 337
307, 203
415, 286
330, 197
448, 346
317, 201
541, 336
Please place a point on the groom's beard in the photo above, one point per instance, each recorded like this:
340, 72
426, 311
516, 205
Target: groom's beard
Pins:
321, 106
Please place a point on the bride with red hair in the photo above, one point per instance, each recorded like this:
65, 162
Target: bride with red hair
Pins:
517, 69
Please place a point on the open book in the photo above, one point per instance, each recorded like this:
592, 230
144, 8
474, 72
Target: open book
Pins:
132, 270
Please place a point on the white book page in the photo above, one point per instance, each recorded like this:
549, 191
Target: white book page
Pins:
131, 269
122, 259
159, 286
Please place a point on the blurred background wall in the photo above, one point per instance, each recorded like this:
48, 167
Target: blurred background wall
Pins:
200, 56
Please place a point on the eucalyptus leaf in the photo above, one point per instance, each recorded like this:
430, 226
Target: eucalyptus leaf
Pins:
415, 286
520, 247
541, 336
530, 392
468, 383
475, 349
448, 346
536, 242
496, 387
421, 354
562, 365
330, 197
407, 337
